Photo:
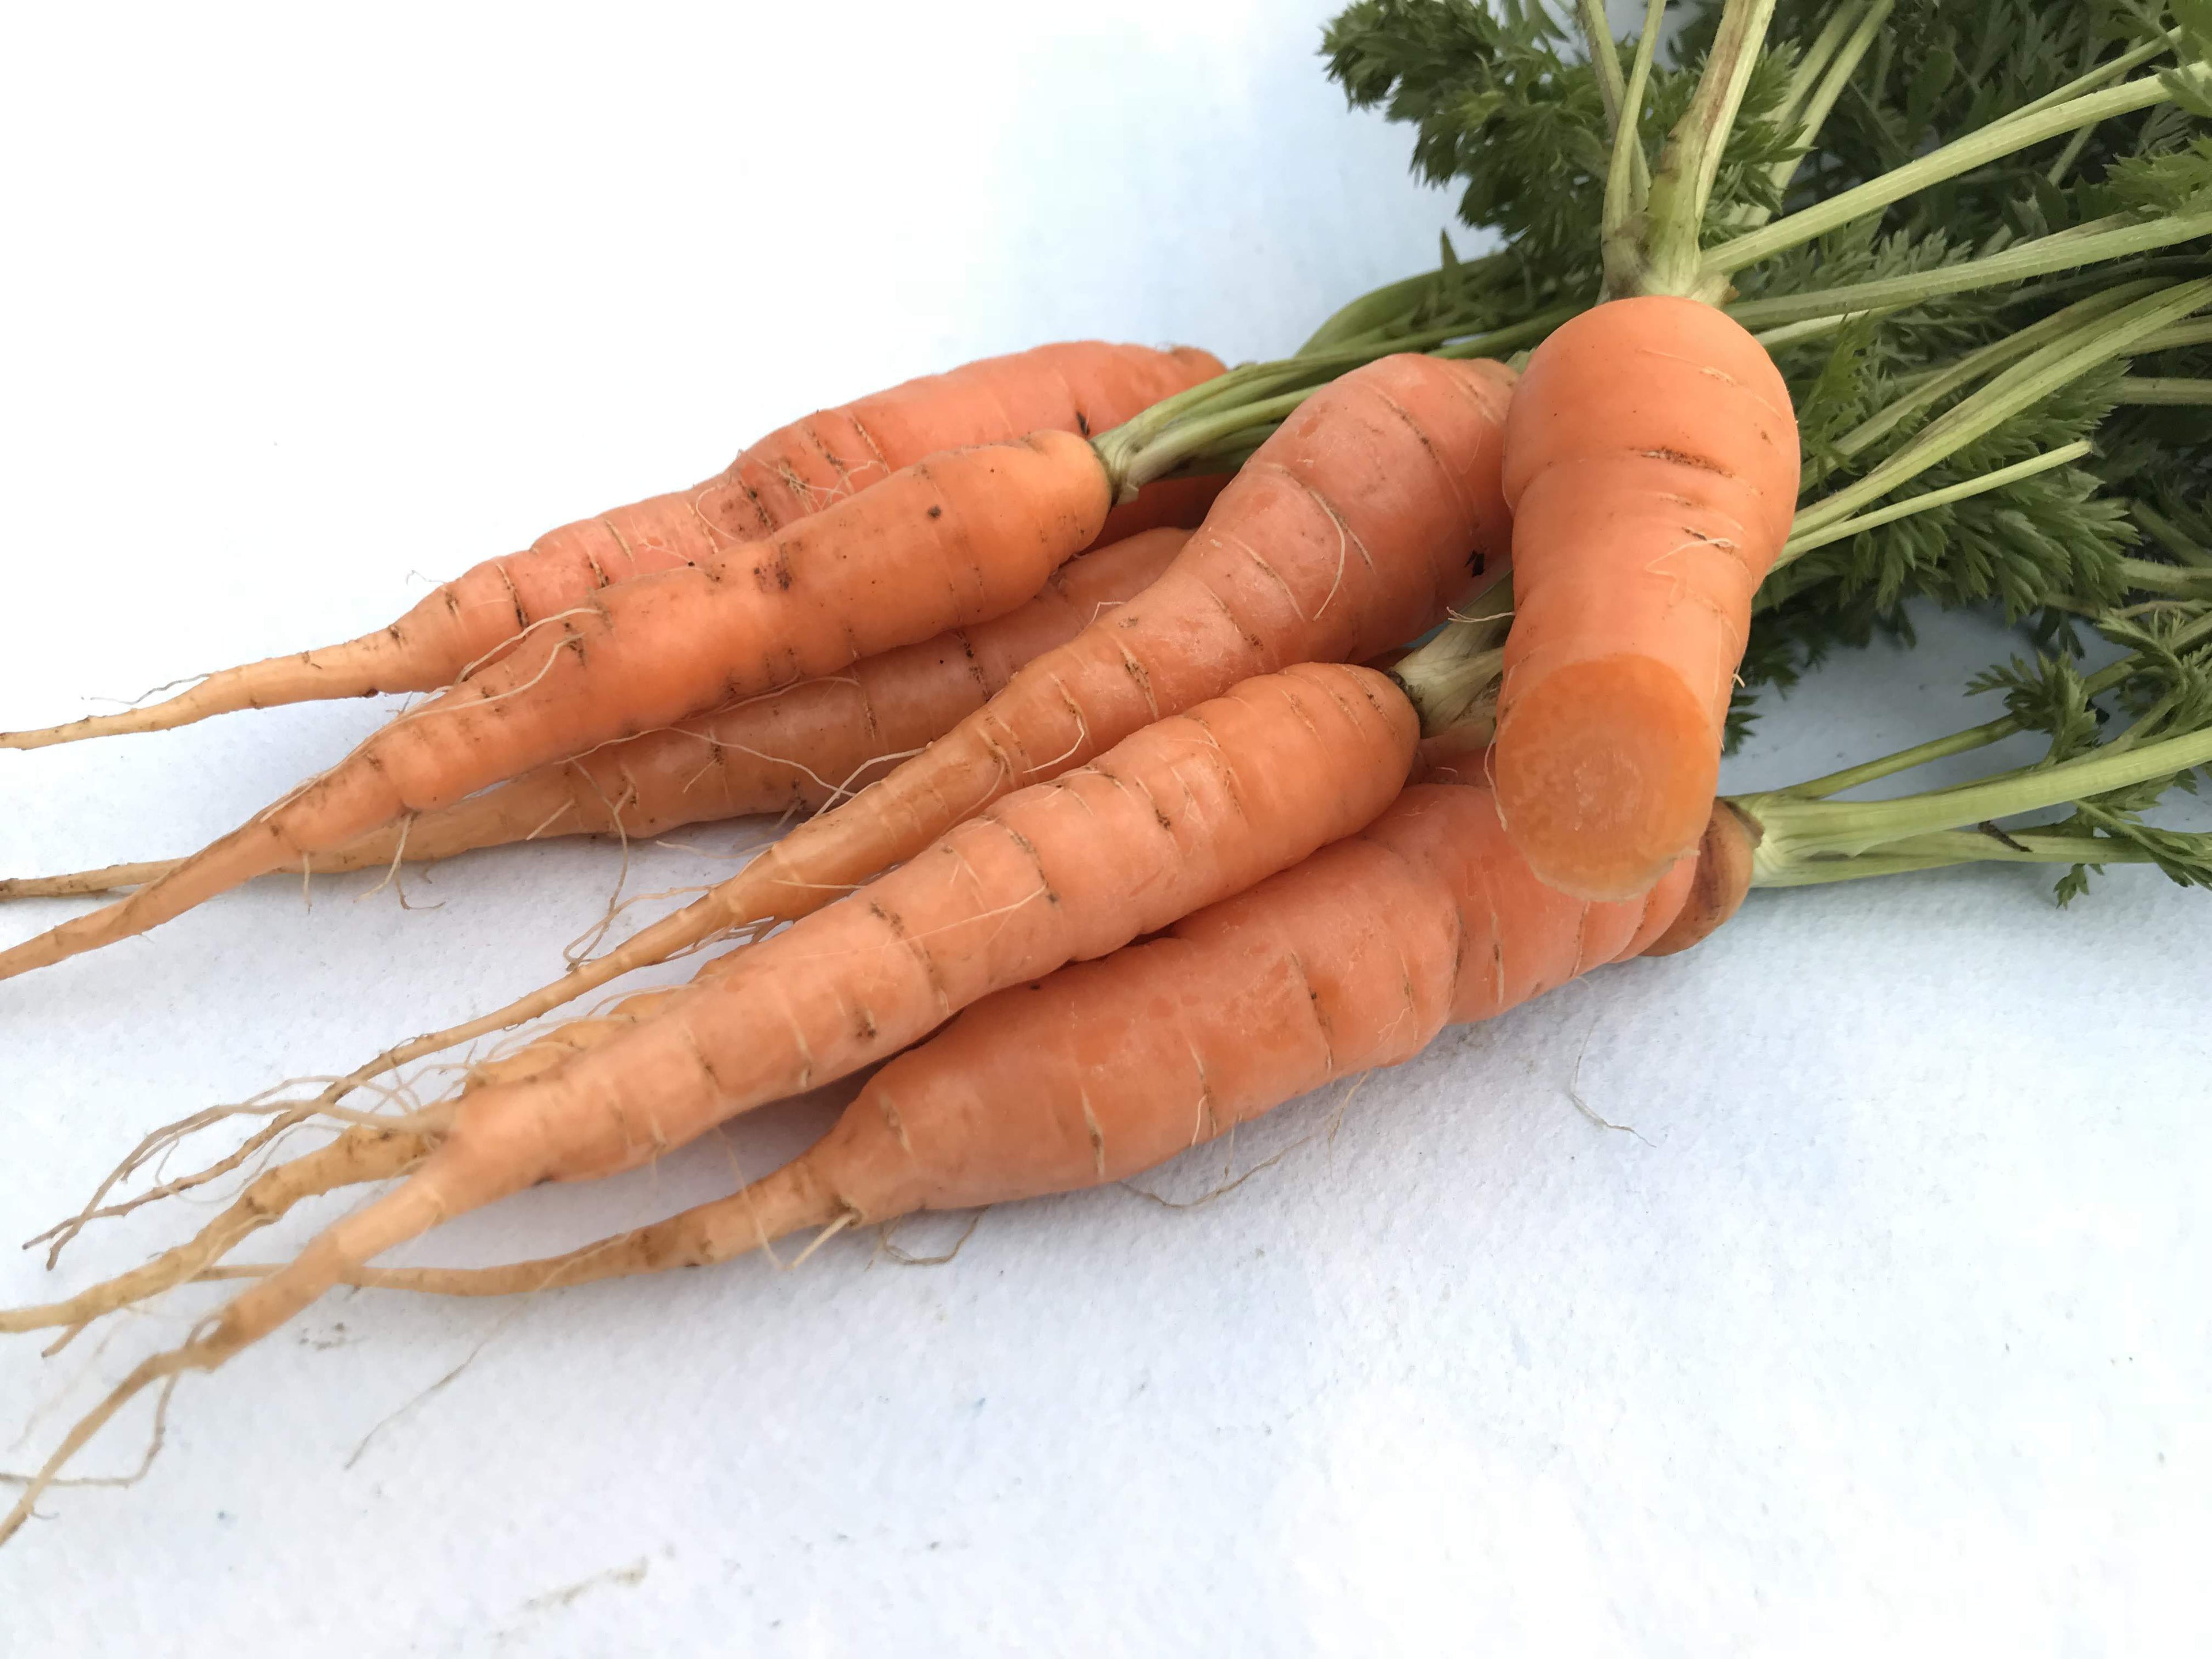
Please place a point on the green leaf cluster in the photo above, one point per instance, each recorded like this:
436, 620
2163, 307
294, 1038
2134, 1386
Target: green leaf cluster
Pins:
2167, 691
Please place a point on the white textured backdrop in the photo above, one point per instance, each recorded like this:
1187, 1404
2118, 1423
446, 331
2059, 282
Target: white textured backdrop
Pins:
1886, 1325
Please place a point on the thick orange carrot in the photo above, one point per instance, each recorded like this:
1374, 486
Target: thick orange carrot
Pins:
792, 749
1651, 464
1084, 387
1186, 812
1353, 959
1349, 530
957, 539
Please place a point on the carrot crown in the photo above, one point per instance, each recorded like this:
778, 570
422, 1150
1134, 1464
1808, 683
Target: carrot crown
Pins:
1969, 233
1654, 214
2011, 413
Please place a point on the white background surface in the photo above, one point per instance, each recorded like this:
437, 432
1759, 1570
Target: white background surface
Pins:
1887, 1325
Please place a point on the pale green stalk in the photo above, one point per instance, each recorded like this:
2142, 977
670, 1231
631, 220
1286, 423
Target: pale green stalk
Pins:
1797, 828
2039, 256
1802, 542
2024, 384
1682, 182
1999, 139
2168, 393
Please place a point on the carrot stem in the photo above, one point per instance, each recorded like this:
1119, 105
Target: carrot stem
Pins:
2134, 58
1813, 328
2170, 536
1840, 64
1624, 100
1905, 760
1682, 182
2166, 394
1931, 389
2181, 334
2151, 576
1946, 849
1801, 543
2001, 138
2114, 239
1239, 409
1797, 830
1386, 312
1447, 678
2019, 387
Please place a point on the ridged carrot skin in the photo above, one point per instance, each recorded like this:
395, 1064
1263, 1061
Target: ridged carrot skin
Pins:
1185, 813
1082, 387
957, 539
1354, 959
1651, 463
789, 750
1349, 530
1190, 809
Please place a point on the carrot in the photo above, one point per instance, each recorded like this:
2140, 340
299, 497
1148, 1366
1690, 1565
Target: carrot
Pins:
1349, 530
1354, 959
794, 750
1516, 936
957, 539
1651, 464
1082, 387
1187, 812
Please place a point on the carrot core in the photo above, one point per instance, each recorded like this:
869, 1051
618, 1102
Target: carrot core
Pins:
1605, 773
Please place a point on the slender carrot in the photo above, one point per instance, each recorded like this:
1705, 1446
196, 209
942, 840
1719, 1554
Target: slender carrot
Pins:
1082, 387
1651, 464
1186, 811
794, 750
1373, 504
957, 539
1350, 530
1354, 959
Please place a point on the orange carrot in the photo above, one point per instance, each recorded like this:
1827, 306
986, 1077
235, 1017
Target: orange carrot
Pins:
1355, 958
1186, 812
1350, 530
794, 750
957, 539
1084, 387
1651, 463
1652, 466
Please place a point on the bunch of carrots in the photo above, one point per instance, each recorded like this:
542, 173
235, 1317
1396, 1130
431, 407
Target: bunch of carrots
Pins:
1176, 739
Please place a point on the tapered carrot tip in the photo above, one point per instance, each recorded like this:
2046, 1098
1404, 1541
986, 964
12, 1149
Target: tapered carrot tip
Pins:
1605, 772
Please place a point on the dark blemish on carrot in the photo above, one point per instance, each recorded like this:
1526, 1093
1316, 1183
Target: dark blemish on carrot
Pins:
1683, 457
1082, 424
936, 511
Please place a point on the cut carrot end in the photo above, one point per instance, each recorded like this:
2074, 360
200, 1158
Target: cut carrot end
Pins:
1605, 772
